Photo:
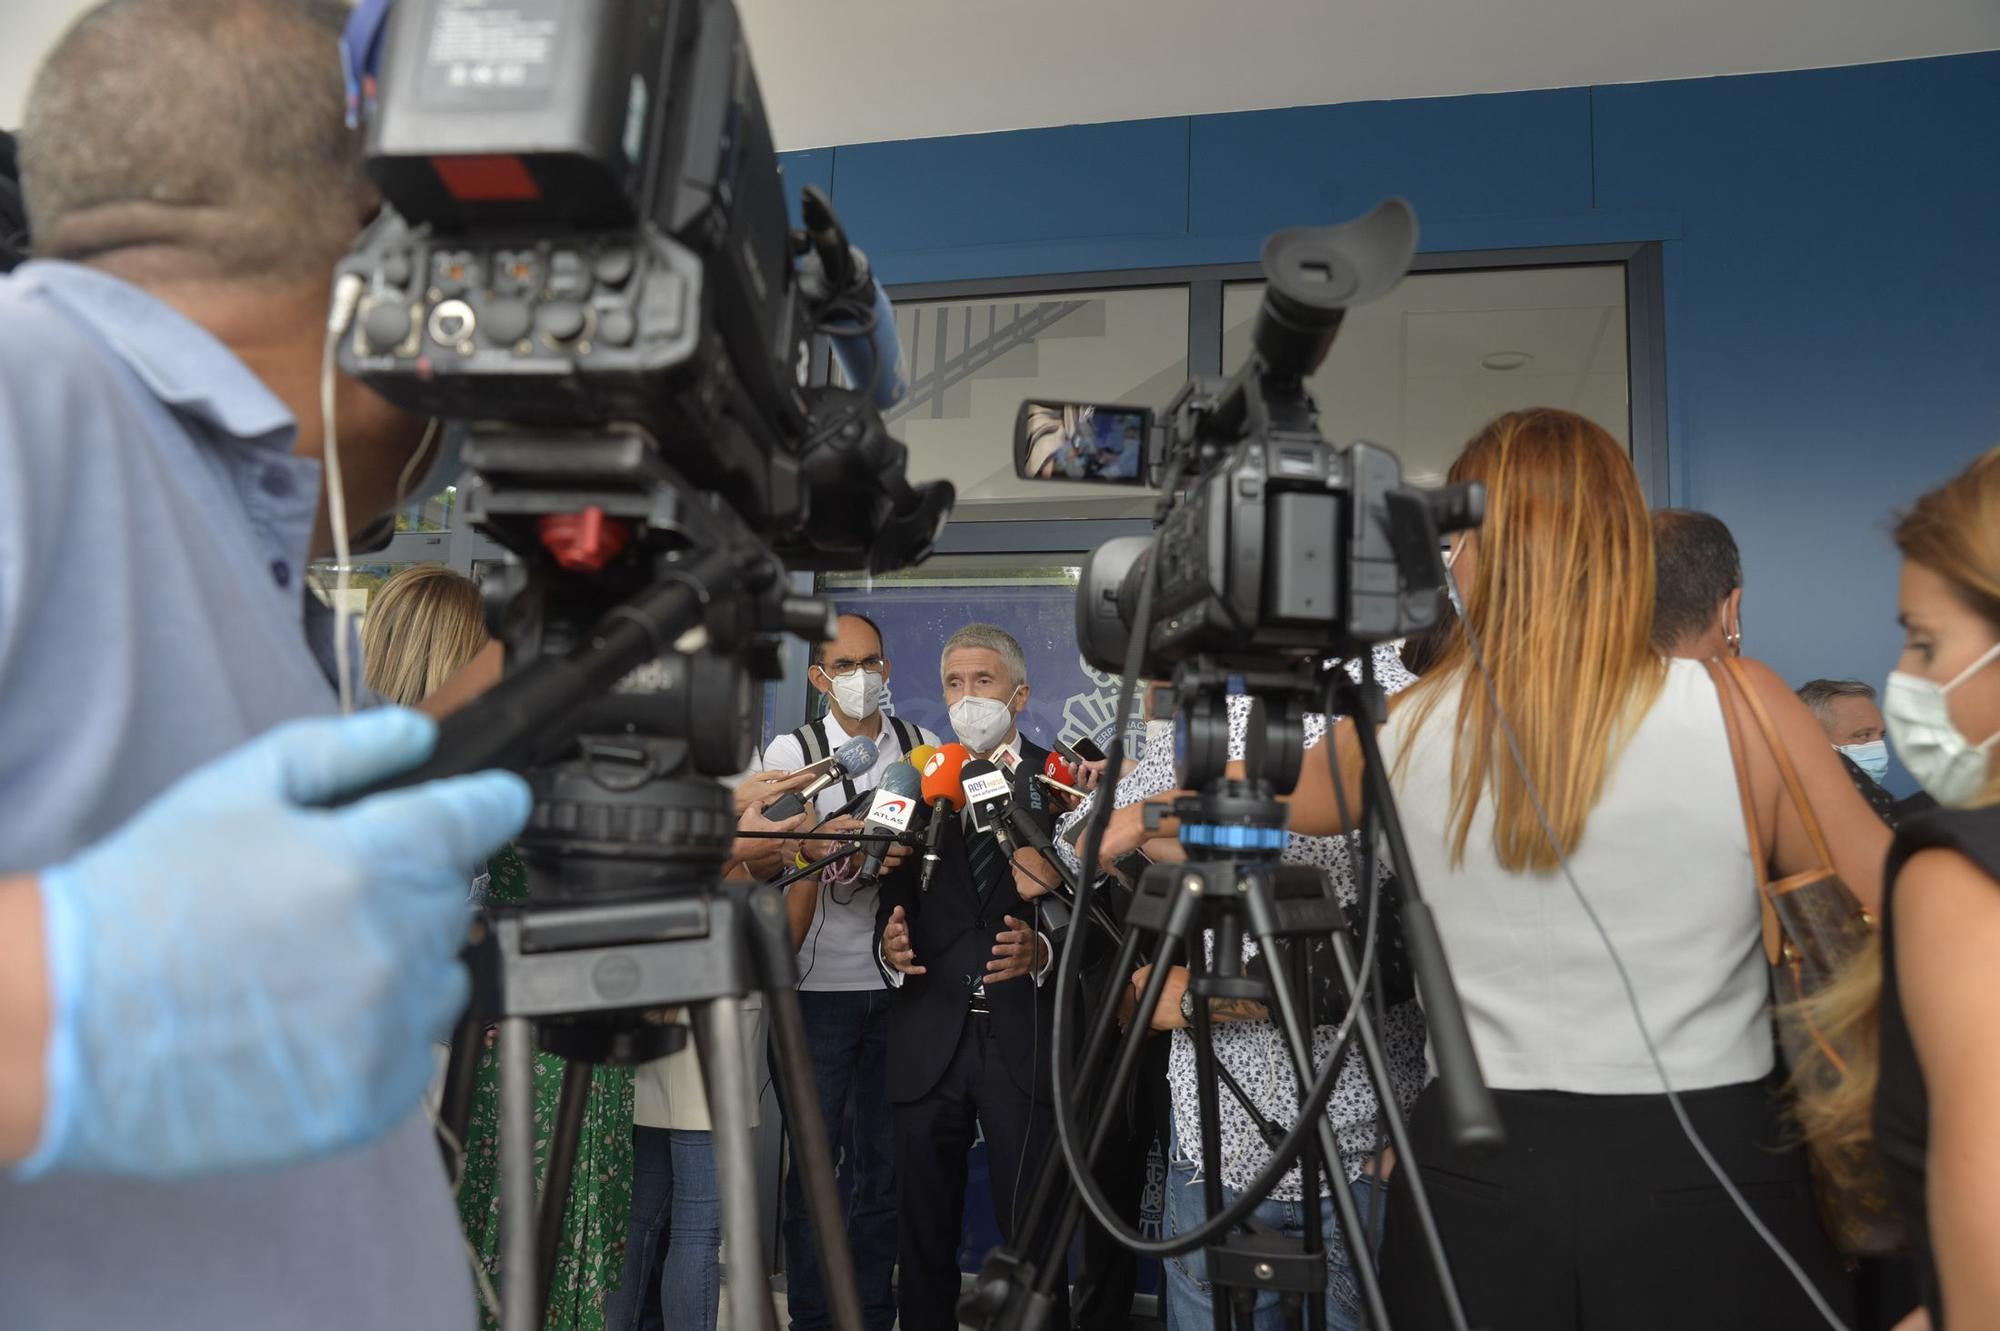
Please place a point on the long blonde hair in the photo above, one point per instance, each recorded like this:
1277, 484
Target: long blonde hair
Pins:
1954, 531
1562, 601
422, 626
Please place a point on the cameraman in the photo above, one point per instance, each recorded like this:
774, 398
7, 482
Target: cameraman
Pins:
190, 184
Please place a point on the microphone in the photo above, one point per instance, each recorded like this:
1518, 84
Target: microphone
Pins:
854, 758
994, 810
989, 792
1058, 773
835, 276
944, 793
920, 756
869, 351
896, 802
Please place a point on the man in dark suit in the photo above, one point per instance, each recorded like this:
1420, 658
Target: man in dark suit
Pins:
969, 1034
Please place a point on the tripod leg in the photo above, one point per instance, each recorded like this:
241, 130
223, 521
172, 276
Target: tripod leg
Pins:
1399, 1137
813, 1157
468, 1039
518, 1284
1300, 1044
718, 1029
561, 1173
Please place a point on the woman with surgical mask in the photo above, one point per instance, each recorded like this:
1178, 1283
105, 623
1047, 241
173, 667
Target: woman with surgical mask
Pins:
1930, 1101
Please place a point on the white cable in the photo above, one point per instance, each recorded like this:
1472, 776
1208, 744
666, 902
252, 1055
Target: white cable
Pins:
410, 467
346, 296
484, 1282
1624, 977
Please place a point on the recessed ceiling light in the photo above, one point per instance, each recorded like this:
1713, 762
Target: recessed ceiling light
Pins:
1506, 360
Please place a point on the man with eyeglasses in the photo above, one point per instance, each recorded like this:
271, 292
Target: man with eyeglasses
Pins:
841, 994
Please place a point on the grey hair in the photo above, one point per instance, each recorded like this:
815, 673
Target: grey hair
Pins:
205, 136
993, 638
1818, 694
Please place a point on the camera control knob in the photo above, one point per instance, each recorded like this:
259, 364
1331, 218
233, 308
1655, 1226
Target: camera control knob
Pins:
616, 328
560, 320
385, 325
506, 322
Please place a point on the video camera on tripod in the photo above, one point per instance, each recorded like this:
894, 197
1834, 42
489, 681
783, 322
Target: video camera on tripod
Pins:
585, 259
1275, 556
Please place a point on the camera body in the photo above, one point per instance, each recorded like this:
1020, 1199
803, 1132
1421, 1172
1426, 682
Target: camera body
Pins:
586, 236
1276, 547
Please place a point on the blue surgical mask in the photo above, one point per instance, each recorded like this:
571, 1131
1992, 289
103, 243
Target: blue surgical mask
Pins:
1950, 767
1872, 757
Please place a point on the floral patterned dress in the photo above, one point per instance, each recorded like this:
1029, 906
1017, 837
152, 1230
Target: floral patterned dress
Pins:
591, 1260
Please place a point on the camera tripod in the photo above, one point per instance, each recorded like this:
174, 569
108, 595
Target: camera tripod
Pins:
1233, 884
630, 679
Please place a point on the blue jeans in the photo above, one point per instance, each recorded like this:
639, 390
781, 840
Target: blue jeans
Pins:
672, 1252
1190, 1306
847, 1034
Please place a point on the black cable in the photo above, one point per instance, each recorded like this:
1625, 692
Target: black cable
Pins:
1069, 969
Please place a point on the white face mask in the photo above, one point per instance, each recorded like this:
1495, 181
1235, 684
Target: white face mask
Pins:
1950, 768
981, 723
857, 693
1872, 757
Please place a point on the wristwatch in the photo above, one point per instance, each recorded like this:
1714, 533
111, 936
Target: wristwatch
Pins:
1187, 1006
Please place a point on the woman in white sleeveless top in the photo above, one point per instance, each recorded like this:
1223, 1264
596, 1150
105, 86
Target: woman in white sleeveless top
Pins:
1598, 1214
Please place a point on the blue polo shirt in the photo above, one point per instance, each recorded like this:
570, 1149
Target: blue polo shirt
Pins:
154, 532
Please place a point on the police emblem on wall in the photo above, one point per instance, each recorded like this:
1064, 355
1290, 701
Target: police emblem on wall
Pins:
1091, 714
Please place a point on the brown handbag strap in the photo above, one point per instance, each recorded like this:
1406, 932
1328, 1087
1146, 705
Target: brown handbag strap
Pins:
1794, 788
1773, 930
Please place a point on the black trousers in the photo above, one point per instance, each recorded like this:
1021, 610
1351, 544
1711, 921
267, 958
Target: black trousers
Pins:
1600, 1217
933, 1135
1109, 1274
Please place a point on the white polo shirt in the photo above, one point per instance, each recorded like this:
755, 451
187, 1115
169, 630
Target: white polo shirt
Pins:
839, 948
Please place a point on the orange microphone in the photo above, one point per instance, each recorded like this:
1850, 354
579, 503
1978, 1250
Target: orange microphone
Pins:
945, 793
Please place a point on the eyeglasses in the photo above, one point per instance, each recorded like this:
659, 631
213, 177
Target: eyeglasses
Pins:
844, 666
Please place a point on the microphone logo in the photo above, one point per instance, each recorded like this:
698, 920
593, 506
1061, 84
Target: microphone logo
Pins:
988, 785
893, 812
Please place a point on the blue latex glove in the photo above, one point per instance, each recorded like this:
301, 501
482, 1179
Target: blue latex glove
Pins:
240, 981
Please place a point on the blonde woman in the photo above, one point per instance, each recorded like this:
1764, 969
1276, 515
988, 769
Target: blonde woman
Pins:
1930, 994
1598, 1215
421, 629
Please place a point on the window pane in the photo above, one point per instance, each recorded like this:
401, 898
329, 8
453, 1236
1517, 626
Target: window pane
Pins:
972, 362
1033, 597
1420, 370
428, 514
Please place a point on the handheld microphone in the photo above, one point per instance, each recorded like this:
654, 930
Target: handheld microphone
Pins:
945, 794
869, 351
1059, 775
855, 757
835, 276
896, 802
920, 757
989, 792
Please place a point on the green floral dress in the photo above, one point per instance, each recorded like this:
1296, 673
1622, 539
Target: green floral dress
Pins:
592, 1259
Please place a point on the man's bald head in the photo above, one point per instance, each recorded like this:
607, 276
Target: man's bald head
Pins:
195, 139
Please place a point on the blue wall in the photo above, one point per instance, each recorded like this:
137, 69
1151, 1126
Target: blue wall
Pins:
1829, 237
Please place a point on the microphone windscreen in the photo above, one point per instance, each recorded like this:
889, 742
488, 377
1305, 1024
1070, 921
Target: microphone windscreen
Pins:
896, 801
921, 755
1057, 768
856, 756
941, 776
